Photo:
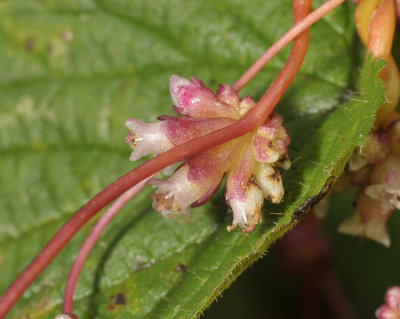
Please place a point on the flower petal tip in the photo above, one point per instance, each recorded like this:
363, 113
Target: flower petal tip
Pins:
146, 138
247, 212
175, 83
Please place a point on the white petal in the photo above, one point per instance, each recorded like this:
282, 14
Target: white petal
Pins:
270, 181
247, 214
174, 83
146, 139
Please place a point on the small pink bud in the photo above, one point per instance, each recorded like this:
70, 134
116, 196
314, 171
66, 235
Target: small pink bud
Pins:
264, 150
391, 308
246, 104
195, 100
392, 298
384, 312
228, 95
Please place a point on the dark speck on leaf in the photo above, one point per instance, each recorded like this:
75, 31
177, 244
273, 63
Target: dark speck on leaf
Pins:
29, 44
120, 299
294, 166
116, 300
180, 268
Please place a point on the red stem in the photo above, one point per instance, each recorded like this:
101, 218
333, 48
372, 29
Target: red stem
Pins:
255, 116
92, 239
284, 40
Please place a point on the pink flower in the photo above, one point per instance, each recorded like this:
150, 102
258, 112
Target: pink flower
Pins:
385, 187
391, 308
376, 168
250, 162
368, 221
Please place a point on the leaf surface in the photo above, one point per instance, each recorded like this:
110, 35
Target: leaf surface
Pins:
73, 71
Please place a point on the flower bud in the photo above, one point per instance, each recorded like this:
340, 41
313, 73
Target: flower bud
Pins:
369, 220
374, 150
384, 312
195, 100
392, 298
385, 187
391, 309
270, 181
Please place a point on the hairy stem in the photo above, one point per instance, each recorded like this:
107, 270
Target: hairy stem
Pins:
255, 116
92, 239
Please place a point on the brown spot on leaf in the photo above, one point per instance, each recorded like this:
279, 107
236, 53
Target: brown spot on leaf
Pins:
180, 268
29, 44
117, 300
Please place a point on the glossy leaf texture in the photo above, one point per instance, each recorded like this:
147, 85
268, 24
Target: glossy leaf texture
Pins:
73, 71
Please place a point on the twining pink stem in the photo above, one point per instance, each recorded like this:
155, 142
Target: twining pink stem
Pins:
92, 239
256, 115
284, 40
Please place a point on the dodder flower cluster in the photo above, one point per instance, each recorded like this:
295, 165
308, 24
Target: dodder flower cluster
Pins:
250, 162
376, 171
391, 308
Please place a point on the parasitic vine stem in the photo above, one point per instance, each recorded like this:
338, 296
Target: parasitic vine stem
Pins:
92, 239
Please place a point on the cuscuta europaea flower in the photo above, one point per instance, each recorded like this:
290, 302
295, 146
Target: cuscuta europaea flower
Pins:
239, 128
391, 308
250, 162
375, 168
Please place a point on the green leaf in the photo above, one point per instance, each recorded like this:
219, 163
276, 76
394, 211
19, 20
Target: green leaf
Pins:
73, 71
